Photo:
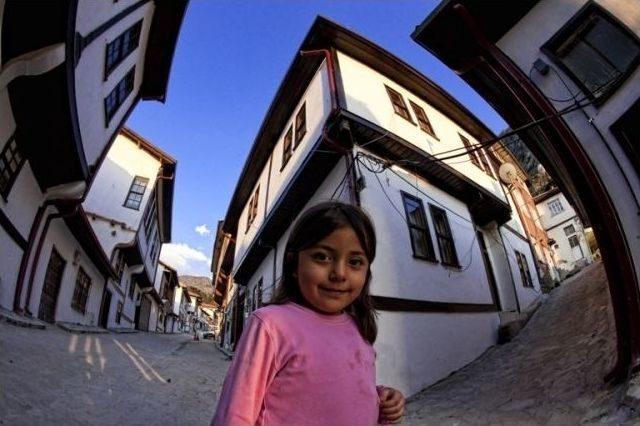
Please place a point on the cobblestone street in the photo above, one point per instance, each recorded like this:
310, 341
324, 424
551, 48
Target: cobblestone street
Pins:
51, 377
551, 373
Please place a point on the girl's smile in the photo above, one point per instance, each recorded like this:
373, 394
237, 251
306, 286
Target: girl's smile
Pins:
332, 272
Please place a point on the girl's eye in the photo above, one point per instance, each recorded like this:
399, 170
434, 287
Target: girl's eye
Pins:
356, 262
320, 257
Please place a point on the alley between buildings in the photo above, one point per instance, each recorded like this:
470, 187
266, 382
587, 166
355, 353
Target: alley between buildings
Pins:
550, 374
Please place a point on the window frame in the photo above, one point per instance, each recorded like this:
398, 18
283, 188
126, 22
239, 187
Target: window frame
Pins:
401, 104
455, 262
121, 53
571, 230
10, 147
252, 212
423, 120
486, 164
300, 125
81, 291
473, 155
523, 266
144, 190
551, 210
431, 253
118, 95
570, 30
287, 147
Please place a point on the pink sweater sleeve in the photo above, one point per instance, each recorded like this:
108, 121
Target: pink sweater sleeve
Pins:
252, 369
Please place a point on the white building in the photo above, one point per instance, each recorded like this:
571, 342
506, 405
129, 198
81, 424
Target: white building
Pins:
130, 209
565, 229
177, 316
566, 74
65, 90
352, 122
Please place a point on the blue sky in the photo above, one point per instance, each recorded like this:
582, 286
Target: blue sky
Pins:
230, 59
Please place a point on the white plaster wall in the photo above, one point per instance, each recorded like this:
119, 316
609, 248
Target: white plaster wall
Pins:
415, 350
91, 14
501, 267
549, 221
318, 107
10, 257
59, 236
522, 44
396, 273
563, 251
367, 97
91, 87
526, 295
107, 195
153, 315
25, 196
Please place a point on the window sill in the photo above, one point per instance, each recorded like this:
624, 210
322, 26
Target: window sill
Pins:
426, 259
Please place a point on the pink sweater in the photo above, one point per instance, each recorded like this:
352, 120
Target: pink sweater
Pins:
294, 366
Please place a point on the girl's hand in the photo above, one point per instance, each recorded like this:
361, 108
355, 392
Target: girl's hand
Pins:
391, 403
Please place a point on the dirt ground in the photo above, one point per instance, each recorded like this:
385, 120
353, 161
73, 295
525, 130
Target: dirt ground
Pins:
52, 377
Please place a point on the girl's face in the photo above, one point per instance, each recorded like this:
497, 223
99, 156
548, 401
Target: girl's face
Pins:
332, 272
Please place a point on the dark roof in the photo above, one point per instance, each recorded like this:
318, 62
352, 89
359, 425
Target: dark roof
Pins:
163, 36
442, 29
76, 219
327, 34
164, 188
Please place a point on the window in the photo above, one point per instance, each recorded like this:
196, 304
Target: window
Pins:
81, 292
287, 149
121, 47
149, 217
418, 228
573, 241
423, 120
473, 155
525, 275
155, 247
399, 106
257, 295
120, 265
253, 208
11, 161
485, 163
627, 131
447, 247
119, 312
555, 207
132, 288
136, 192
118, 95
301, 124
569, 230
595, 50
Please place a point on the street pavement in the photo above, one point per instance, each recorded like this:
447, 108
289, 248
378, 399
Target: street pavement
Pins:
52, 377
550, 374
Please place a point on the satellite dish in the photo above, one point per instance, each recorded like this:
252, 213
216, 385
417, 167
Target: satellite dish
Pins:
508, 173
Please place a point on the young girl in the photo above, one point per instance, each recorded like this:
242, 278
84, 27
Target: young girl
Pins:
307, 358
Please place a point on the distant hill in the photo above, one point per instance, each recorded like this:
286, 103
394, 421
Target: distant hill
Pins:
200, 285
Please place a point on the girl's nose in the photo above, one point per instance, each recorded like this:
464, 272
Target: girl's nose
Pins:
337, 273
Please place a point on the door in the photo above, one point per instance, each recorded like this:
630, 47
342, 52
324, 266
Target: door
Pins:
51, 287
239, 319
104, 309
145, 312
576, 250
487, 266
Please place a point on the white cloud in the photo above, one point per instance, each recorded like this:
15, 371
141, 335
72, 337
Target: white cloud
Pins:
203, 230
185, 259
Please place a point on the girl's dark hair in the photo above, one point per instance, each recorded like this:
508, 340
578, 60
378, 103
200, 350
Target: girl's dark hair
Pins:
314, 225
